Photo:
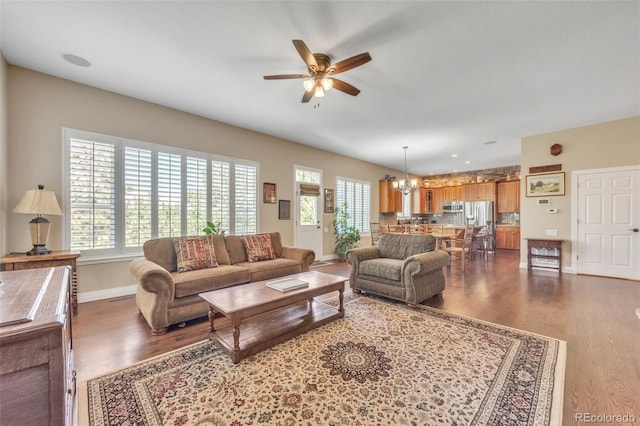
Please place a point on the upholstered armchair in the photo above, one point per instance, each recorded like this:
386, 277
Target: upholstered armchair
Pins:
404, 267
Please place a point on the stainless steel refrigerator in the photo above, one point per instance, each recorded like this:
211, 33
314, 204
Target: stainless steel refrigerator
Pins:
479, 213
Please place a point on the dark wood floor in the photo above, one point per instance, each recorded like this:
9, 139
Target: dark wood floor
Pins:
595, 315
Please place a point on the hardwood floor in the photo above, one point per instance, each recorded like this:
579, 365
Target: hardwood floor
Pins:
595, 315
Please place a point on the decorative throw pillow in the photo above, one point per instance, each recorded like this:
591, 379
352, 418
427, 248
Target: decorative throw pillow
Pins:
259, 247
195, 253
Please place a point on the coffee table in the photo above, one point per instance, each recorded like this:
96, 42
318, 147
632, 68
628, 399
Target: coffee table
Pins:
262, 317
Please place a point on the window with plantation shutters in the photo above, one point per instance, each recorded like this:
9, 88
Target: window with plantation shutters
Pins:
92, 194
120, 193
246, 199
356, 195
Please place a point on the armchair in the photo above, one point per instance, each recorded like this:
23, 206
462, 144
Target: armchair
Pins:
404, 267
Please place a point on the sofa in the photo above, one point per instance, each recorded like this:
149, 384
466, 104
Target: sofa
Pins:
168, 286
404, 267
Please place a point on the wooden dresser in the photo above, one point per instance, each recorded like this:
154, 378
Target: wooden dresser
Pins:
37, 381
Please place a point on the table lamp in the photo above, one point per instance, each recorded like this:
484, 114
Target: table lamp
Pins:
39, 202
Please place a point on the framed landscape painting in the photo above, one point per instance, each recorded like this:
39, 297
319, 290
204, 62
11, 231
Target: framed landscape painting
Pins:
544, 185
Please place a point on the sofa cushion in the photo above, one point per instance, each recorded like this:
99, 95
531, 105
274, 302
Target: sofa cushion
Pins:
258, 247
238, 253
270, 269
193, 253
401, 246
384, 267
194, 282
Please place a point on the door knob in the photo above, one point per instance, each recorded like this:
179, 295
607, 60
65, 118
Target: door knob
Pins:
634, 230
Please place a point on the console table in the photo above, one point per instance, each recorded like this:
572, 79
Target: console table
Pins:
18, 261
538, 243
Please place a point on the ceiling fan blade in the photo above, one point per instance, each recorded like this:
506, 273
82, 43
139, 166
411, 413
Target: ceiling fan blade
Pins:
345, 87
285, 76
307, 96
349, 63
305, 54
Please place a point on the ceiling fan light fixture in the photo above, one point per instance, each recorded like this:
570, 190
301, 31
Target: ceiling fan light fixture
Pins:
308, 84
327, 83
319, 91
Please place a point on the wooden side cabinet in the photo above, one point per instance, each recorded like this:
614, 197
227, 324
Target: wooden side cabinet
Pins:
37, 381
544, 253
508, 197
19, 261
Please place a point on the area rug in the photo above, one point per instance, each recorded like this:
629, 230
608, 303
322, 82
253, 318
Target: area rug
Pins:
382, 364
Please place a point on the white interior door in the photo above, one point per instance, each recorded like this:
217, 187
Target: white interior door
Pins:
309, 211
608, 221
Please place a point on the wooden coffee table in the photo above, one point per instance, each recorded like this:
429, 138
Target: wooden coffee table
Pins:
262, 317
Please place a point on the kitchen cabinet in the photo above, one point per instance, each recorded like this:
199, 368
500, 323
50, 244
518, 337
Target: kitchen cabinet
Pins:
419, 201
453, 193
484, 191
390, 198
438, 199
508, 197
508, 237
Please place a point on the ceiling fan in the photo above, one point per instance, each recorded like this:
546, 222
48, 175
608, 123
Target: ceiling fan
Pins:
321, 71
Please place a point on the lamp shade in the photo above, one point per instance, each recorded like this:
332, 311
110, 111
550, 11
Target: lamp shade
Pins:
39, 202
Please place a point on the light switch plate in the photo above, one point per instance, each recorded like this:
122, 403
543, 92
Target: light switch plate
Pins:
552, 232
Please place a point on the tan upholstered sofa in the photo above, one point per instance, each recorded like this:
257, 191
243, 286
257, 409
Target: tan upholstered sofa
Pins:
403, 267
166, 296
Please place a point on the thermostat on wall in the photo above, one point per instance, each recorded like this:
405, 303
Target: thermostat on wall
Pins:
544, 201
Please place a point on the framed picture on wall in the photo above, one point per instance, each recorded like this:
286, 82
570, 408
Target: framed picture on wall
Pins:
284, 209
328, 201
544, 185
269, 193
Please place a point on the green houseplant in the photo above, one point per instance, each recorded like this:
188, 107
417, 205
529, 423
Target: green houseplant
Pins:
213, 228
347, 237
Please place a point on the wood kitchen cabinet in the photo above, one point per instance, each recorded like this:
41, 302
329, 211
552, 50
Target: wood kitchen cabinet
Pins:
453, 193
484, 191
422, 201
508, 237
37, 381
508, 197
390, 198
438, 199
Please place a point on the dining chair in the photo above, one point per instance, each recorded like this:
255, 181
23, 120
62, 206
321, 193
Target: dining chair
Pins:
459, 248
398, 229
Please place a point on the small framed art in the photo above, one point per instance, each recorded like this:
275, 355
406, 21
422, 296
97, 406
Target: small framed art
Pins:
269, 193
284, 209
544, 185
328, 201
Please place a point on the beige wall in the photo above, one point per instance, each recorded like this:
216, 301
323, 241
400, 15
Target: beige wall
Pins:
41, 105
611, 144
3, 155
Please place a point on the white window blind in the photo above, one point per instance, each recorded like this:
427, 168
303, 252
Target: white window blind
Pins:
357, 196
92, 194
246, 199
119, 193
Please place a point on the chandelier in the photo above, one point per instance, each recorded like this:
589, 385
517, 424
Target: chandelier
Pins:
405, 185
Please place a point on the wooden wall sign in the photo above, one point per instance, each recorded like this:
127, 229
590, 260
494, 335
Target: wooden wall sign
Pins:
546, 169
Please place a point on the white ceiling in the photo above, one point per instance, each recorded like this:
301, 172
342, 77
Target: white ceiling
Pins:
445, 77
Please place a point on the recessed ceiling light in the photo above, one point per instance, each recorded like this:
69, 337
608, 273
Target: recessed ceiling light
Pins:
75, 60
467, 162
455, 171
490, 142
454, 155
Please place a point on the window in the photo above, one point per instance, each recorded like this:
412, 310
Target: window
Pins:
357, 195
120, 193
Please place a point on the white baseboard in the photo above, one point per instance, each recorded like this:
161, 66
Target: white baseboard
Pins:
92, 296
329, 257
565, 270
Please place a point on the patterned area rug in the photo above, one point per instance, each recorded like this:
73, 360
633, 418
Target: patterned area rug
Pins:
382, 364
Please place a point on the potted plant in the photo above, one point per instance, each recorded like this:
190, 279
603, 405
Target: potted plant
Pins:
213, 228
347, 237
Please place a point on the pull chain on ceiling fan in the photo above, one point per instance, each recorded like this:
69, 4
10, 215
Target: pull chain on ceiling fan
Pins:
320, 77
